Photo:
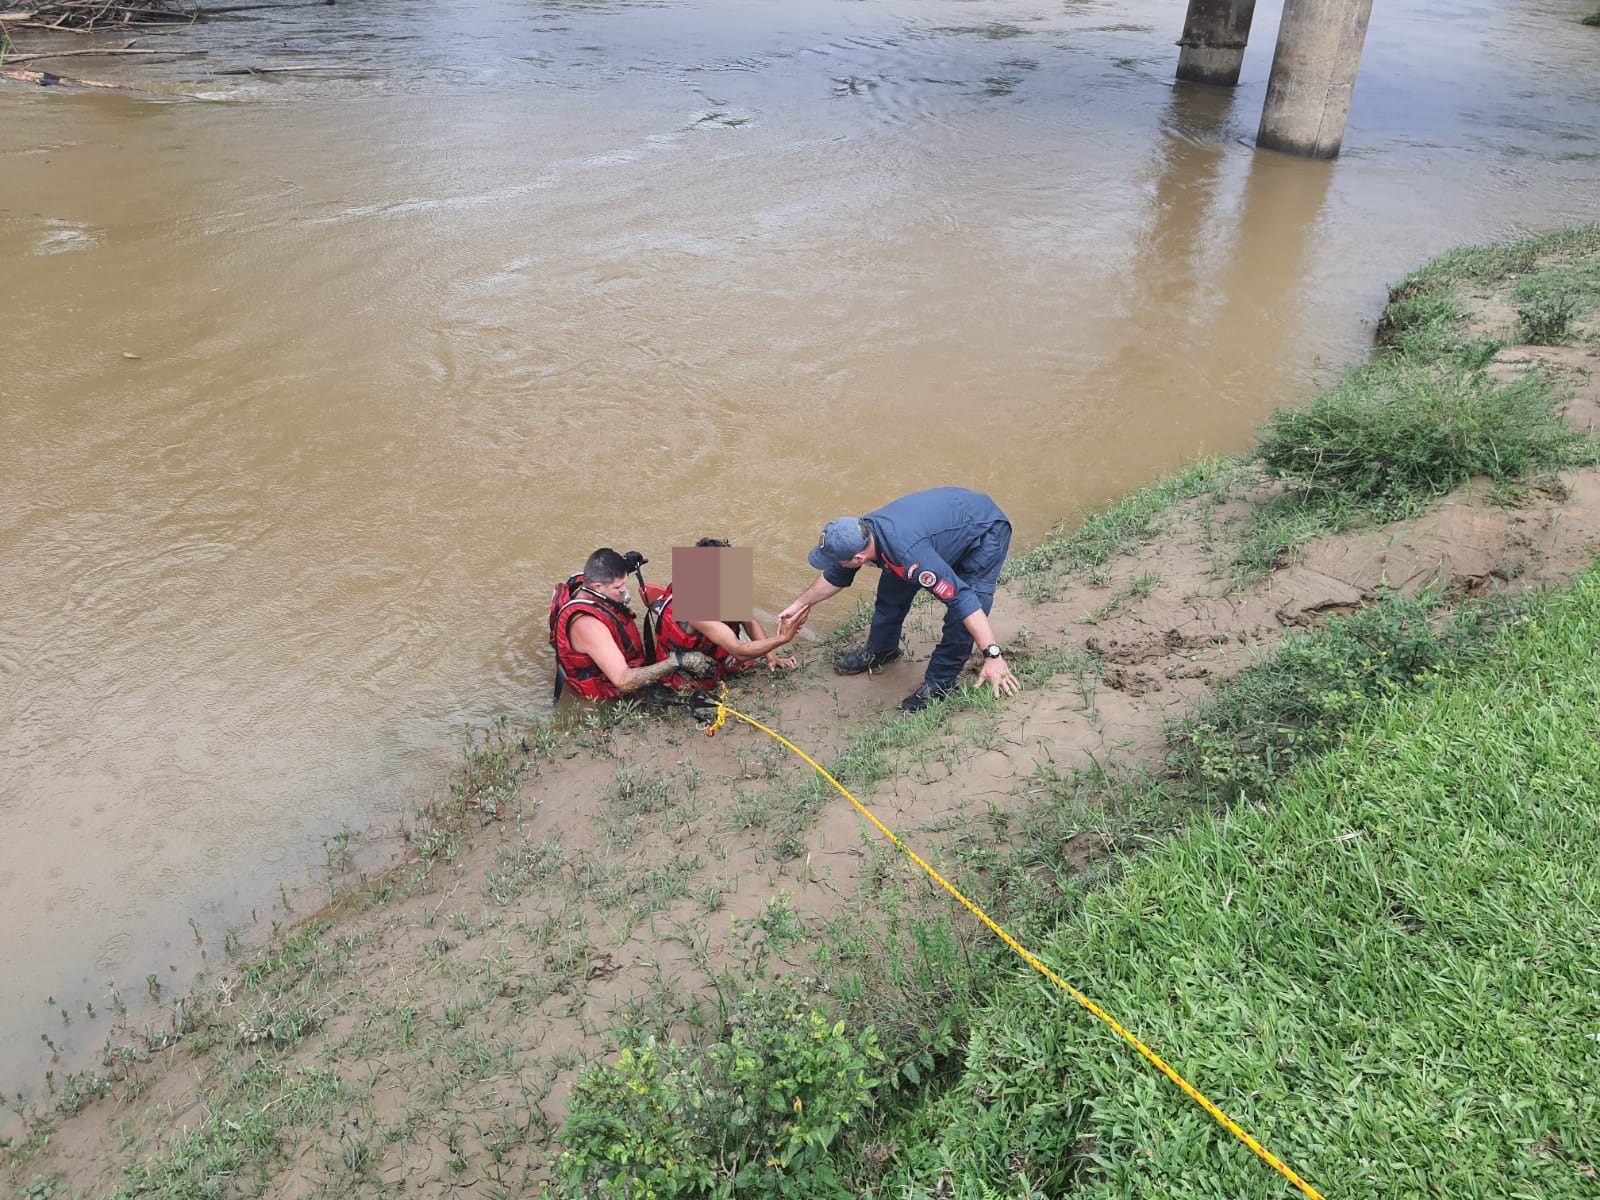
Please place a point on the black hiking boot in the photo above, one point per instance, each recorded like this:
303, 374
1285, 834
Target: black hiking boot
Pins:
863, 659
924, 696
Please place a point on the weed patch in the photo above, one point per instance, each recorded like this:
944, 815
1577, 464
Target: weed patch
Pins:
1428, 314
1392, 434
1119, 528
755, 1114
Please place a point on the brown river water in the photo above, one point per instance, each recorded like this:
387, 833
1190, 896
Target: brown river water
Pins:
507, 281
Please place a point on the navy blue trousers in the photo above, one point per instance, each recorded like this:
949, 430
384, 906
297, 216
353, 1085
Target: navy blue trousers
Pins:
980, 568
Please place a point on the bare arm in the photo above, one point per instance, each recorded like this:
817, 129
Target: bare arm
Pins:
819, 591
592, 638
728, 641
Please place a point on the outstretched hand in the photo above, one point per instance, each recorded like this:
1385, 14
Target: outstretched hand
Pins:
790, 624
795, 610
998, 676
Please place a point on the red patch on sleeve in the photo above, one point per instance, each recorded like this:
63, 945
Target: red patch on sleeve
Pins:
945, 590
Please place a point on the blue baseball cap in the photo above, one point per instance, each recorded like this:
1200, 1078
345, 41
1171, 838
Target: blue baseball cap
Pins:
842, 538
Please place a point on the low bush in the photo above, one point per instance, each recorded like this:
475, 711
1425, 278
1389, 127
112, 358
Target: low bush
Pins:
1546, 320
1397, 432
1302, 699
1294, 704
753, 1115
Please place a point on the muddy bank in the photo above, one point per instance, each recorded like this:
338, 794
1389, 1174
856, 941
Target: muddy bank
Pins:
425, 1030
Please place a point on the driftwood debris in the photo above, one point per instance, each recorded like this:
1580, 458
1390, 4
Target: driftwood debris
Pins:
106, 50
50, 79
46, 79
86, 16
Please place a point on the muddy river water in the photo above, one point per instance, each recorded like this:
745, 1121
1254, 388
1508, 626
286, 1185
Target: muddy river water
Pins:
500, 281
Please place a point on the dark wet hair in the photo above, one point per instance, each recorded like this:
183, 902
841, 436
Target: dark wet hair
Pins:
605, 565
719, 543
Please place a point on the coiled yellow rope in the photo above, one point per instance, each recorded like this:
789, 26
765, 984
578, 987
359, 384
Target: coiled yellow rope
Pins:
1155, 1060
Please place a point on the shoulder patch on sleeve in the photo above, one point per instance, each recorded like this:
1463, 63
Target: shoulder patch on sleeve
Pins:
927, 579
945, 590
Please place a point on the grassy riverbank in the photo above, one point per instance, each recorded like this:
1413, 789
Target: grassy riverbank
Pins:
625, 961
1383, 966
1316, 948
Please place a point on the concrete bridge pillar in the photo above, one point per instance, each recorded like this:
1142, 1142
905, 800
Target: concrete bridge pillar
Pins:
1313, 76
1214, 37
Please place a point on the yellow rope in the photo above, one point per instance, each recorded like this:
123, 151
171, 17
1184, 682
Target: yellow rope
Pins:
1188, 1089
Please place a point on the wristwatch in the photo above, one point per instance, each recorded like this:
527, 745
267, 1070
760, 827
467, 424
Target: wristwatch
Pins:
992, 650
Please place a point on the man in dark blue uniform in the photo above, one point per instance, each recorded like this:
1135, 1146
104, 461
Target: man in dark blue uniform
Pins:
946, 541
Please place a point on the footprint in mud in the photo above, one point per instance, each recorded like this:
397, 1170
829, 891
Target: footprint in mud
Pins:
1132, 682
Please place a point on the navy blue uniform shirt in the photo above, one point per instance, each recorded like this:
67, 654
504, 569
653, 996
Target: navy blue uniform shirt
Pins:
919, 536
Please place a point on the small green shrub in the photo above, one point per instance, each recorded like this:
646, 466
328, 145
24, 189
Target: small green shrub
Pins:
752, 1116
1592, 19
1420, 323
1398, 431
1546, 320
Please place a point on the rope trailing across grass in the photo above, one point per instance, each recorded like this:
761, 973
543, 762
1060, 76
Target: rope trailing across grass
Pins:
1155, 1060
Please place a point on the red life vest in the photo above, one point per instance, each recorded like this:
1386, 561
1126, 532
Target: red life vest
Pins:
572, 600
672, 636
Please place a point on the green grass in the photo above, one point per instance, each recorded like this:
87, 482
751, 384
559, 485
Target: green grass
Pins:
1392, 437
1480, 265
1386, 971
1119, 528
230, 1151
1427, 313
1592, 19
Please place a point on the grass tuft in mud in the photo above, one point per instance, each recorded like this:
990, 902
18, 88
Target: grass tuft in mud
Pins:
1430, 311
1393, 435
1119, 528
